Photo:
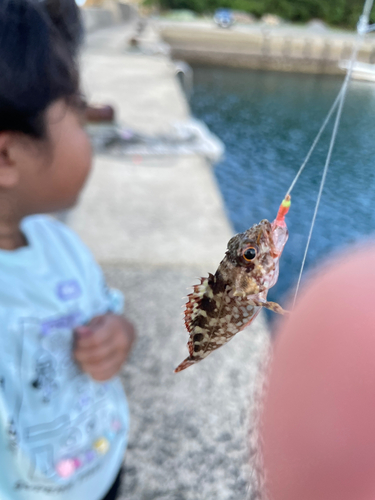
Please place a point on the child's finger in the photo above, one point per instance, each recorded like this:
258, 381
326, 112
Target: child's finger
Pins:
94, 340
83, 331
96, 354
105, 370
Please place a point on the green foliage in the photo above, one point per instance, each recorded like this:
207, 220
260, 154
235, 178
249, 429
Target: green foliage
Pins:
335, 12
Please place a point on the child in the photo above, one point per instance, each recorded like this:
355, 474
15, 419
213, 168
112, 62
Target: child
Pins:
63, 413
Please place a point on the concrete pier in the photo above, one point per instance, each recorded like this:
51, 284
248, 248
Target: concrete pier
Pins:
155, 225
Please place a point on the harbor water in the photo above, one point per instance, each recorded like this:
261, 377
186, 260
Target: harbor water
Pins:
268, 121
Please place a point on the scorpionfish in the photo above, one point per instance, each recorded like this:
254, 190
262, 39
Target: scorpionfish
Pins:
228, 301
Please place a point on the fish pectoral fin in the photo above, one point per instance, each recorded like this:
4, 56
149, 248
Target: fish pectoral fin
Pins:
275, 307
272, 306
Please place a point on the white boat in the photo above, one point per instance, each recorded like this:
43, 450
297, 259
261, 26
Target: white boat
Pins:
361, 71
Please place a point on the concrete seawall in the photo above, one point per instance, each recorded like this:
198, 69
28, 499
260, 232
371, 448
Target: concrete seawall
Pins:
283, 48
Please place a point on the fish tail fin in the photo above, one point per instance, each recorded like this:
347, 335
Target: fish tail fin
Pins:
185, 364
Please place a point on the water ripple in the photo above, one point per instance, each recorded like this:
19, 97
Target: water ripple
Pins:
268, 122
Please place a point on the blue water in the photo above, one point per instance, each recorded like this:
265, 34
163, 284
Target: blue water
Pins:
268, 121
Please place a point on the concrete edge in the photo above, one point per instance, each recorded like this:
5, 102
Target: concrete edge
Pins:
96, 18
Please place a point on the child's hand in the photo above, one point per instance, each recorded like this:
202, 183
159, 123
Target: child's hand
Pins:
102, 346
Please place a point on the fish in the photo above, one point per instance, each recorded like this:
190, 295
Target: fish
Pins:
226, 302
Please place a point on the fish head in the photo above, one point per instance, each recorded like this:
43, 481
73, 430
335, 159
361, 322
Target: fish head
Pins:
252, 257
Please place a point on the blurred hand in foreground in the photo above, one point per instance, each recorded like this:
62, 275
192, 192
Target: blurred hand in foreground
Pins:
319, 413
102, 346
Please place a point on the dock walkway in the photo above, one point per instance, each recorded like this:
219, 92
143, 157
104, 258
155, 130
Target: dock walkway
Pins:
156, 224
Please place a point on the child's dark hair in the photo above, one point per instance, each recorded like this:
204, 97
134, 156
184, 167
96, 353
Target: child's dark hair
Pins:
38, 42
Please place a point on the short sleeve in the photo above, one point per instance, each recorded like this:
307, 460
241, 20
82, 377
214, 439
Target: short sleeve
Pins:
112, 299
67, 252
116, 301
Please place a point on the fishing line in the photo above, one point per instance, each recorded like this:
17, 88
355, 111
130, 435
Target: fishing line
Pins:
362, 28
316, 140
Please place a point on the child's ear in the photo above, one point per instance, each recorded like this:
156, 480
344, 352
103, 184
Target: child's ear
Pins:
9, 172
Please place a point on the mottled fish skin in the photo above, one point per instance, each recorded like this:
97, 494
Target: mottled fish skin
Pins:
225, 303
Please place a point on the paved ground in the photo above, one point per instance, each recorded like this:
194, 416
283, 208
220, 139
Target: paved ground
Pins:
188, 433
156, 225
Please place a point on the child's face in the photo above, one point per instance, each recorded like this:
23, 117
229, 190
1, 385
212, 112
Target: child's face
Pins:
55, 173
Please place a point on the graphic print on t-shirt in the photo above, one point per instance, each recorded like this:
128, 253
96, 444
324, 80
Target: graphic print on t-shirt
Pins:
50, 383
62, 435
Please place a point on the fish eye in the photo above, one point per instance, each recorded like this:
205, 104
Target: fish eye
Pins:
249, 254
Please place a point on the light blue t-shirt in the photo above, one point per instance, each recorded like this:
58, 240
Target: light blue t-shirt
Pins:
62, 435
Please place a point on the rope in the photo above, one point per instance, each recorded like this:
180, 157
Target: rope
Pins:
362, 29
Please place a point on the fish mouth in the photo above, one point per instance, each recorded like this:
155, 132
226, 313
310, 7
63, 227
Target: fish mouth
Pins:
279, 235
